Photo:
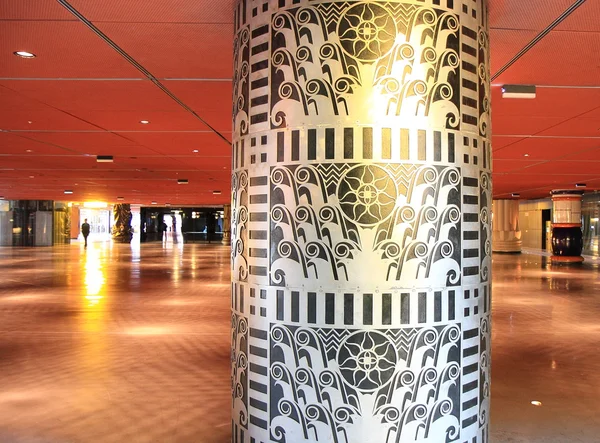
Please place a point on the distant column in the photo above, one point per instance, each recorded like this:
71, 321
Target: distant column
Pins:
506, 233
122, 230
227, 225
361, 234
567, 237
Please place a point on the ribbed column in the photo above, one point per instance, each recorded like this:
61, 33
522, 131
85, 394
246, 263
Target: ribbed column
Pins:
361, 234
506, 234
567, 238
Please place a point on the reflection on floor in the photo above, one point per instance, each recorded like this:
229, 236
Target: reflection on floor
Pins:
121, 343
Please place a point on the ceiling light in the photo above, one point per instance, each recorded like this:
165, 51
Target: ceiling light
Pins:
195, 150
28, 150
154, 203
526, 155
120, 199
68, 191
217, 192
167, 204
104, 158
536, 403
24, 54
144, 122
182, 181
516, 195
580, 185
518, 91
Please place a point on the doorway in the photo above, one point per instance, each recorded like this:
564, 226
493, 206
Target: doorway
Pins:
546, 235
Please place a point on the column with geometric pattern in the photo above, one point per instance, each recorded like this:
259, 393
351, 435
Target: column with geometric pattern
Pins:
361, 235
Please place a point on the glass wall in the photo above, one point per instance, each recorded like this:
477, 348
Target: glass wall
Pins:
34, 223
189, 224
590, 214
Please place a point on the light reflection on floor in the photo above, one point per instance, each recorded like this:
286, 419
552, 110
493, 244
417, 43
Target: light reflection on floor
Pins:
121, 343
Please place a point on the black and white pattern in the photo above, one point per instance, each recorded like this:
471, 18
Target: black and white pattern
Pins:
361, 222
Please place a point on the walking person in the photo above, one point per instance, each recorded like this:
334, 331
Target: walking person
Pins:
85, 230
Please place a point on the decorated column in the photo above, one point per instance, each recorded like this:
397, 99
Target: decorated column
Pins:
506, 233
122, 230
361, 234
567, 238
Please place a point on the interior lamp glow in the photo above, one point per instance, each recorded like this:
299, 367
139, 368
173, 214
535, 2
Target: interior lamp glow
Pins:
519, 91
95, 205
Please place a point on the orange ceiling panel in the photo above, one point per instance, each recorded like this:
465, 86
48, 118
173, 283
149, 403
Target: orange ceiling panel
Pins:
503, 166
545, 148
565, 167
562, 59
506, 43
549, 102
592, 154
21, 143
33, 10
93, 142
584, 127
178, 120
523, 125
64, 49
181, 143
211, 100
157, 11
41, 120
96, 95
530, 14
177, 50
585, 19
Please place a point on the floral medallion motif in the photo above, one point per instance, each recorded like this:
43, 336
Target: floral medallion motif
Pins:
367, 360
367, 194
367, 32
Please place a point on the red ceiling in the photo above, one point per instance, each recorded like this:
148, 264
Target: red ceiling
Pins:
80, 98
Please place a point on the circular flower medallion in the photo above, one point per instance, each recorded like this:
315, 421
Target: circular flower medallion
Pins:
367, 32
367, 194
367, 360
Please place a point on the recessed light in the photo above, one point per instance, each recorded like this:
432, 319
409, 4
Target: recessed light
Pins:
182, 181
154, 203
120, 199
28, 150
104, 158
516, 195
24, 54
195, 150
68, 191
167, 204
32, 176
217, 192
519, 91
144, 122
536, 403
526, 155
30, 122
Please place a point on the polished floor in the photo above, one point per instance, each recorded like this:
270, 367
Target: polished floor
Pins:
122, 343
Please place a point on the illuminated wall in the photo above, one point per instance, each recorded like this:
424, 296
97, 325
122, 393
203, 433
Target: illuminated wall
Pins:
361, 235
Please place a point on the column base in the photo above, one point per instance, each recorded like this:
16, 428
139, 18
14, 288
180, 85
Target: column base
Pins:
566, 260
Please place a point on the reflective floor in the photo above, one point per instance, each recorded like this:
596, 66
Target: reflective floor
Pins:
121, 343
